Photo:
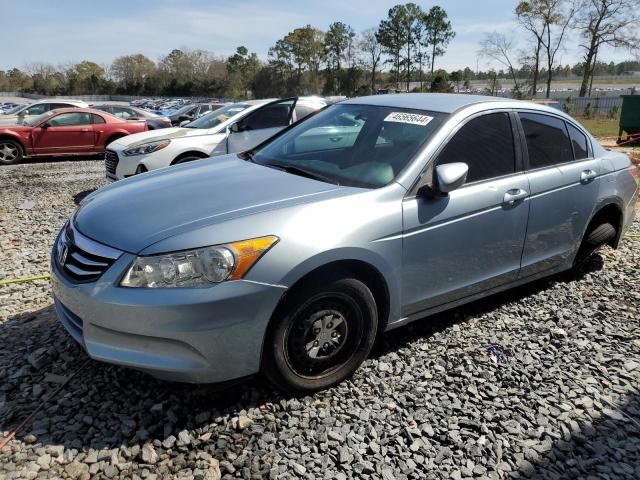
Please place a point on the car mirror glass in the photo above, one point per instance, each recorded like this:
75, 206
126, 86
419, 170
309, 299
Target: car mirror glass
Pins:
451, 176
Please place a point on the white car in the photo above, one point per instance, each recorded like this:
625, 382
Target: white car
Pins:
233, 128
31, 110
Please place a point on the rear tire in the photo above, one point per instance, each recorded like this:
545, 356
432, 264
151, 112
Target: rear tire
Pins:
320, 336
10, 152
594, 238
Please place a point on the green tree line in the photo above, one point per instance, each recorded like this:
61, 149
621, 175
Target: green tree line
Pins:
401, 53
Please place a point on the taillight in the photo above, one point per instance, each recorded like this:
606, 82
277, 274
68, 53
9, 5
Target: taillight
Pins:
634, 173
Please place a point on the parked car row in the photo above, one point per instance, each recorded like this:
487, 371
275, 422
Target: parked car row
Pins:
63, 131
169, 106
26, 134
6, 106
291, 257
233, 128
22, 113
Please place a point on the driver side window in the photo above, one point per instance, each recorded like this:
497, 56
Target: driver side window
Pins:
269, 116
37, 109
485, 144
70, 119
122, 113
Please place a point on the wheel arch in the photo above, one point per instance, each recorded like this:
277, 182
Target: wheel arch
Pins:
609, 210
359, 269
189, 153
15, 138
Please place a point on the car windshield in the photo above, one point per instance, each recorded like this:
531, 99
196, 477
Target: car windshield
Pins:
31, 121
349, 144
216, 117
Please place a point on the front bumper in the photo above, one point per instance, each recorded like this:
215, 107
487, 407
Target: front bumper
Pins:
125, 166
196, 335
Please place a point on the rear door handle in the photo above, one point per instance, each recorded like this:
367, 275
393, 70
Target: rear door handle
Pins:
514, 195
587, 175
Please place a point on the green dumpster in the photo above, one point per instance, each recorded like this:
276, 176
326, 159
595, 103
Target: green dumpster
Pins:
630, 119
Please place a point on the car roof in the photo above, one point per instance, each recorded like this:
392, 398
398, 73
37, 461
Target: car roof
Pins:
80, 110
60, 100
435, 102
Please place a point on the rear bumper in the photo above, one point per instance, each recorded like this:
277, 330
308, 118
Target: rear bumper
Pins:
197, 335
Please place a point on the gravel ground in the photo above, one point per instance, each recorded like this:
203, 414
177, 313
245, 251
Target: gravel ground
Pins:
560, 398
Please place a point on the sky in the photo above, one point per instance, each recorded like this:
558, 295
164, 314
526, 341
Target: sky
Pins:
69, 31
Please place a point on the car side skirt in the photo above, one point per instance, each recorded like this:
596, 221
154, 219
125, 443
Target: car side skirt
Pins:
486, 293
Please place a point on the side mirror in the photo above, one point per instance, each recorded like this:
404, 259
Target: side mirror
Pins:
183, 123
451, 176
235, 127
45, 125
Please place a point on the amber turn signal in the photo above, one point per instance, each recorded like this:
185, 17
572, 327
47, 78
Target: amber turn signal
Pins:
248, 252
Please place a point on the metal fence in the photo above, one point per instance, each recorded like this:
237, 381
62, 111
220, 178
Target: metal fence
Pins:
601, 106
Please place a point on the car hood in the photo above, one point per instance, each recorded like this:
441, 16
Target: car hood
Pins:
135, 213
162, 134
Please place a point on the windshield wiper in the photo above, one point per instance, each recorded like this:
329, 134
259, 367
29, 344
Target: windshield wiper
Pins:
303, 172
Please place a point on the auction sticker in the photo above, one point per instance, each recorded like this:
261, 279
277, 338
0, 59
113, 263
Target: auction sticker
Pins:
412, 118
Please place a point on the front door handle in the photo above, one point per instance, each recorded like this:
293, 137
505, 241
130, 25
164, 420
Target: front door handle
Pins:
587, 175
85, 130
514, 195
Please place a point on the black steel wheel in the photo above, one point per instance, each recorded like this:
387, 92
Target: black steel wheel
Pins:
322, 336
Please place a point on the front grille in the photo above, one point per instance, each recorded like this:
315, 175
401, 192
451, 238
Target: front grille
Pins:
81, 259
111, 162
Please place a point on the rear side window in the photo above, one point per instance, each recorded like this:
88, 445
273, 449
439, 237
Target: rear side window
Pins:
97, 118
548, 142
70, 119
579, 142
485, 144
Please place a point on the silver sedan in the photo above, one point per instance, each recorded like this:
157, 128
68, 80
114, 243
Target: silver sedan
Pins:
292, 258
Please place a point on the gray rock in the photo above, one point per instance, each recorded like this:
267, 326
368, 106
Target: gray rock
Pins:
149, 454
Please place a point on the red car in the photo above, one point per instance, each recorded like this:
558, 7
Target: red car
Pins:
65, 131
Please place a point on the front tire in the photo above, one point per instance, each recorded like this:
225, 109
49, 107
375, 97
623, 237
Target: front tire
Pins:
321, 336
10, 152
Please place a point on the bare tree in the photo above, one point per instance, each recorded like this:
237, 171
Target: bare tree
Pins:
548, 21
371, 50
606, 22
499, 47
534, 25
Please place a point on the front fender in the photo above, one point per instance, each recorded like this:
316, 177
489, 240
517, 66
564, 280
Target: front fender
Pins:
24, 143
390, 271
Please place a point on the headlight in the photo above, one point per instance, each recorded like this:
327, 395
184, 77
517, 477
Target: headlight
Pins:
200, 266
146, 148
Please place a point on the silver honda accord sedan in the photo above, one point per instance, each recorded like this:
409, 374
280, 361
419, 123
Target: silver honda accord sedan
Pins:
292, 258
